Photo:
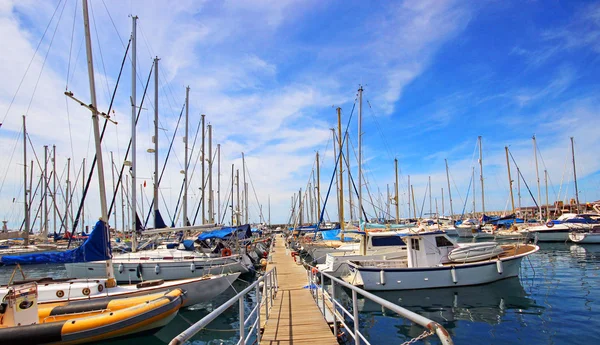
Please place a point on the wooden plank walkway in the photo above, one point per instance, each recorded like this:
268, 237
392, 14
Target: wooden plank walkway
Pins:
294, 317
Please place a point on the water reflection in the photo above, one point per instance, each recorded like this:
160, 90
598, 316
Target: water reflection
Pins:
489, 304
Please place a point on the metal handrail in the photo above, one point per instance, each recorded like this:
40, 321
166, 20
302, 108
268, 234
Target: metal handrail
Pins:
269, 291
355, 333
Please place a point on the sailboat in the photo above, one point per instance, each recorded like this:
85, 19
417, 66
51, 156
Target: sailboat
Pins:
198, 289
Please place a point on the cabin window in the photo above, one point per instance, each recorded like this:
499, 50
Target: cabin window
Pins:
442, 241
381, 241
415, 243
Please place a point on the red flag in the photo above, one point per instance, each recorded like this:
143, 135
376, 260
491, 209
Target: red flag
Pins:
144, 184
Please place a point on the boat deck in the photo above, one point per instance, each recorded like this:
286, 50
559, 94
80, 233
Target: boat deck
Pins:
294, 317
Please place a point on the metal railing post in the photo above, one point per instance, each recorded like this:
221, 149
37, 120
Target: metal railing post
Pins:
355, 312
242, 320
335, 326
258, 300
323, 293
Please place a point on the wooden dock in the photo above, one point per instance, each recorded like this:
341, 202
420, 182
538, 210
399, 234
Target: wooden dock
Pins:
294, 317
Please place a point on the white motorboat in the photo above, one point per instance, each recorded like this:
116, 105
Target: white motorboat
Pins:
428, 266
379, 246
592, 236
558, 230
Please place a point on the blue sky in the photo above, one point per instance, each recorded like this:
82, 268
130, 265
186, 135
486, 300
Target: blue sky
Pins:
269, 74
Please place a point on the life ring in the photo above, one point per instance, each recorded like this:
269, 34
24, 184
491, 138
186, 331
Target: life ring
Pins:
549, 224
86, 291
314, 270
60, 293
226, 252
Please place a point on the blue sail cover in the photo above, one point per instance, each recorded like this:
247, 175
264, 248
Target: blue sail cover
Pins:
95, 248
332, 235
242, 231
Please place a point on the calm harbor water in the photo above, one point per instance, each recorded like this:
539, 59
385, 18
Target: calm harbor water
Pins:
554, 301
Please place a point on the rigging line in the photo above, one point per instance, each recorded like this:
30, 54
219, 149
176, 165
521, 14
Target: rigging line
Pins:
366, 180
545, 168
523, 178
466, 199
113, 23
187, 165
165, 164
45, 59
71, 46
93, 165
384, 138
16, 141
423, 203
129, 146
335, 170
100, 51
30, 62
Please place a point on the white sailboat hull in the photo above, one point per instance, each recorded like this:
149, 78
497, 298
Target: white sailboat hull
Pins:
197, 289
133, 271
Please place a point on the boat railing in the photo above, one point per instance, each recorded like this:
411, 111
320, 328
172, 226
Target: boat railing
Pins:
339, 312
269, 284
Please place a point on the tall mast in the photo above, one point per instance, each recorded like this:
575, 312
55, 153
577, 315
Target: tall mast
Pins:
45, 232
211, 217
341, 173
318, 193
481, 178
537, 176
510, 181
349, 179
519, 189
547, 204
396, 197
68, 194
83, 186
443, 213
53, 186
88, 44
412, 192
245, 189
473, 174
232, 208
337, 178
186, 159
237, 184
360, 209
449, 189
409, 194
112, 173
133, 135
300, 207
25, 197
269, 209
430, 209
203, 175
122, 207
575, 174
155, 190
218, 183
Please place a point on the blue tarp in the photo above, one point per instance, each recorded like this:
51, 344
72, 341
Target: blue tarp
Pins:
332, 235
95, 248
242, 231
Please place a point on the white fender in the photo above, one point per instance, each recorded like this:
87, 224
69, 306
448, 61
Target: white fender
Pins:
499, 267
382, 277
157, 269
453, 272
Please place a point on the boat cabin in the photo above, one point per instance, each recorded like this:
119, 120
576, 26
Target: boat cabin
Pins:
428, 249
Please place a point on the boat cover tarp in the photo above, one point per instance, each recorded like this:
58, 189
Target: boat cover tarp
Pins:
95, 248
243, 231
333, 235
